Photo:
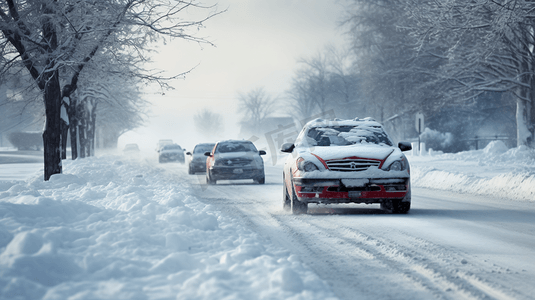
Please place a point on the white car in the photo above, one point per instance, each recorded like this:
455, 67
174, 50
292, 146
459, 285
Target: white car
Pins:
131, 149
346, 161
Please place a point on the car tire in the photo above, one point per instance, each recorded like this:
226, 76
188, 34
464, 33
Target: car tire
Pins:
298, 207
396, 206
261, 180
286, 201
190, 171
160, 160
209, 179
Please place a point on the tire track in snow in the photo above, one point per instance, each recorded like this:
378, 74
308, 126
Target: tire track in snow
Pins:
433, 272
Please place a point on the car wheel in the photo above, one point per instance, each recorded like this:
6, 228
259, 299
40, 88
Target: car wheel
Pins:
286, 201
261, 180
160, 160
209, 179
298, 207
396, 206
190, 171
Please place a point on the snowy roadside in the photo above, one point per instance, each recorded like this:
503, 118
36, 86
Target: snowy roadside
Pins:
494, 171
113, 228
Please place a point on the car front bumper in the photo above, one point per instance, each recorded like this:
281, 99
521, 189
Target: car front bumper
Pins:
172, 157
234, 173
351, 190
198, 166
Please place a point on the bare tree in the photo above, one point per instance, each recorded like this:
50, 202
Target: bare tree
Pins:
256, 106
393, 79
55, 40
488, 48
208, 123
326, 82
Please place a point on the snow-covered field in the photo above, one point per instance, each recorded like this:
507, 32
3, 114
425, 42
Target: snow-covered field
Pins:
114, 227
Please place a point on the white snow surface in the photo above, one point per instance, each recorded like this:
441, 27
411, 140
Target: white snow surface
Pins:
118, 228
493, 171
115, 228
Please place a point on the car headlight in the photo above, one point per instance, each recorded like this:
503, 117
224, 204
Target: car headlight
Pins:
397, 165
306, 166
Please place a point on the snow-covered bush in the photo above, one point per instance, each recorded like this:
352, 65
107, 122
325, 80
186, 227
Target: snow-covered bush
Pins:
436, 140
495, 147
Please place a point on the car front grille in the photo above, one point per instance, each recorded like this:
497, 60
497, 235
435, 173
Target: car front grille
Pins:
235, 162
351, 165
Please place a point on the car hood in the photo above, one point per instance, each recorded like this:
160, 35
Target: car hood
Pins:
362, 151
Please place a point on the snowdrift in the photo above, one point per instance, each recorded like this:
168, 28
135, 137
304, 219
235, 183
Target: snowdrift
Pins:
113, 228
494, 171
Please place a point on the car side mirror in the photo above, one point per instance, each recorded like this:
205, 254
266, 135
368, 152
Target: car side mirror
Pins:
262, 152
188, 153
287, 147
207, 153
405, 146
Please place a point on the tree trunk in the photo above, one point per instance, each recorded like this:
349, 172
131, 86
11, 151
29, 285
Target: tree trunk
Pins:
93, 127
63, 137
51, 134
82, 131
523, 135
73, 120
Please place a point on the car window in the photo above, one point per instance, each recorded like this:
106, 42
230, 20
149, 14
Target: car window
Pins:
171, 147
203, 148
347, 135
131, 147
235, 147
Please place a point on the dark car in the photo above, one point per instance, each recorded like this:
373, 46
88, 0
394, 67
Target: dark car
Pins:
197, 159
235, 159
171, 152
346, 161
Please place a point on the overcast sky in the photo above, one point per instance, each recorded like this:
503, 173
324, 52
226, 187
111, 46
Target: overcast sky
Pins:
258, 44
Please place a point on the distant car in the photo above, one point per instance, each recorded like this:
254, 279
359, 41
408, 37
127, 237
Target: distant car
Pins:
171, 152
131, 149
235, 159
197, 159
346, 161
162, 143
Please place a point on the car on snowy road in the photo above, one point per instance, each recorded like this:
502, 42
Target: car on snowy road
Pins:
197, 159
346, 161
171, 152
131, 149
235, 159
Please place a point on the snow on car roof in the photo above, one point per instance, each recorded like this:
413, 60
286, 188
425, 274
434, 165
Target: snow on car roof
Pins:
366, 122
339, 132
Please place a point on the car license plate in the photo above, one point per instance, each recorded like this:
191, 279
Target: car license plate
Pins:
355, 194
238, 171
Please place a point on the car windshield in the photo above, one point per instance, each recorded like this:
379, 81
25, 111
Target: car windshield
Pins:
235, 147
347, 135
131, 147
203, 148
171, 147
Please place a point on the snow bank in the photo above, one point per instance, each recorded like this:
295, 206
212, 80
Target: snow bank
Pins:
113, 228
495, 170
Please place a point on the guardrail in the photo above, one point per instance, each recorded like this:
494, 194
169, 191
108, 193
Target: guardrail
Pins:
496, 137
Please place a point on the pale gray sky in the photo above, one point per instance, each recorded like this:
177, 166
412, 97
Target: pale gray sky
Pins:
257, 43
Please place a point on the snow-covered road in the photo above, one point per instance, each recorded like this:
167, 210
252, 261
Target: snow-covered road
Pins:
450, 246
116, 227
